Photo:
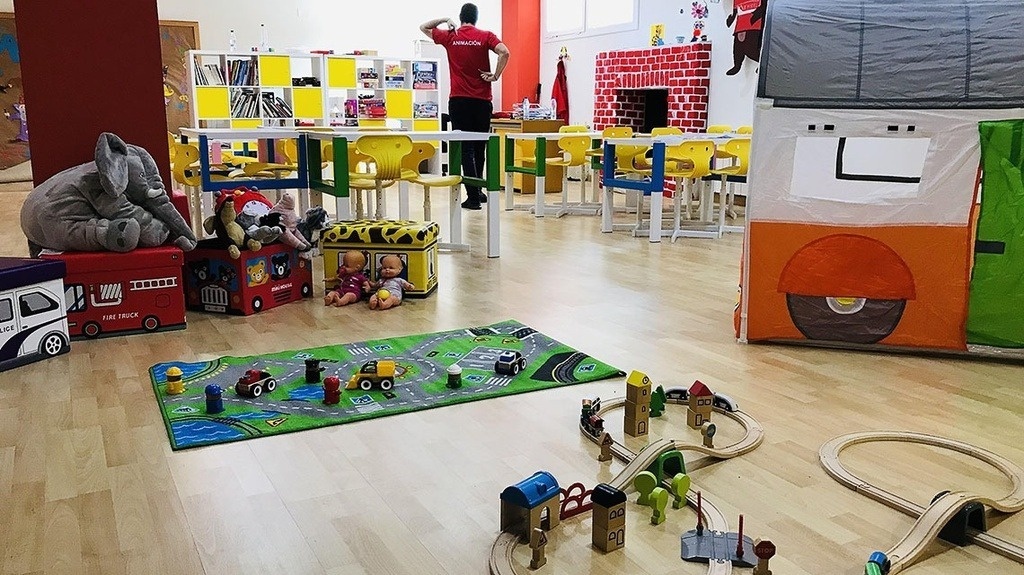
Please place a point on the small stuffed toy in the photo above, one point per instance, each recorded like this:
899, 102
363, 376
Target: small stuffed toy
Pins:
250, 206
309, 228
290, 235
224, 225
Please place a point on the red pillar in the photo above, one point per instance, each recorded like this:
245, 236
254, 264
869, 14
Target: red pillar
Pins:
520, 31
90, 67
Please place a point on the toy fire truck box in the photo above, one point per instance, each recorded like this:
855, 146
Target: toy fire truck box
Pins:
33, 315
414, 242
111, 293
272, 276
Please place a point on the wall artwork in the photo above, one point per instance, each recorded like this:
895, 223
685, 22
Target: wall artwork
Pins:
657, 34
177, 37
699, 12
746, 20
14, 123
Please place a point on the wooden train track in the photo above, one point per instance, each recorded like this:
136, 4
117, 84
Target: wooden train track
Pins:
502, 551
932, 519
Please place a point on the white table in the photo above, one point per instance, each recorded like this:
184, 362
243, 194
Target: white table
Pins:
656, 185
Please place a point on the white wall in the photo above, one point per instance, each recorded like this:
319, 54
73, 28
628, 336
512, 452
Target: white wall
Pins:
731, 97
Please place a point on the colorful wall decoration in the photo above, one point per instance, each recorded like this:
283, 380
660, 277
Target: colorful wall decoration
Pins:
177, 37
14, 122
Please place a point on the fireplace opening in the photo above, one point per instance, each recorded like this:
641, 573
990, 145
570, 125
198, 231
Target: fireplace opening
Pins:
644, 110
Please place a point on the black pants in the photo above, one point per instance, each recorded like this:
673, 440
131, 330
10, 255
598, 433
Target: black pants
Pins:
471, 115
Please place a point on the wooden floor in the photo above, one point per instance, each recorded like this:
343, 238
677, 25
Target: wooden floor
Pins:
88, 483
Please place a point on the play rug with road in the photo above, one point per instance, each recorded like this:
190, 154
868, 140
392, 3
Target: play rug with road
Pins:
420, 381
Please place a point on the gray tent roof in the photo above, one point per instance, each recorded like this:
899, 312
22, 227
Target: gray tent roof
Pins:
894, 54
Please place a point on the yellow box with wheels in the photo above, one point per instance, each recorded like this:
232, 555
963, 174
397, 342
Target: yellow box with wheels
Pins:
414, 242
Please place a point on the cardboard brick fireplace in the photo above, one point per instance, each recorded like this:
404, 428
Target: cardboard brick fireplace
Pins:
623, 76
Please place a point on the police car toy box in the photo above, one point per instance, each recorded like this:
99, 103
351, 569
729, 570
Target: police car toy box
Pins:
33, 315
111, 293
273, 276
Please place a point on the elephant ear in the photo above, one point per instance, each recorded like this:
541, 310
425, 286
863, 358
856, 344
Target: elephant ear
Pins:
112, 162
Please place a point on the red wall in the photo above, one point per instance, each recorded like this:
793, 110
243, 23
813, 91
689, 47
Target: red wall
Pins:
90, 67
520, 31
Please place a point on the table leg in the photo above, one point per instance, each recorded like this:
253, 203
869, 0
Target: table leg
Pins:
540, 180
538, 192
455, 216
657, 200
510, 200
493, 225
403, 200
606, 210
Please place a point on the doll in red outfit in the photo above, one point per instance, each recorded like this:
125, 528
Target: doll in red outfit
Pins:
351, 281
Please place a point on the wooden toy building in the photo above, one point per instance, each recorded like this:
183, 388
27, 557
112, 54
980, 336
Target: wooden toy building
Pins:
533, 502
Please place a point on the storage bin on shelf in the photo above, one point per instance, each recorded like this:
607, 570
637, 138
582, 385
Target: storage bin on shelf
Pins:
111, 293
414, 242
272, 276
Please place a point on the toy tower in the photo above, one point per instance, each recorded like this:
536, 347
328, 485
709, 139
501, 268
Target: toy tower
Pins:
699, 405
638, 404
609, 518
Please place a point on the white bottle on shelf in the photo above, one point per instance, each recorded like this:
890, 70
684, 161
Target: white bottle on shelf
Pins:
232, 41
264, 39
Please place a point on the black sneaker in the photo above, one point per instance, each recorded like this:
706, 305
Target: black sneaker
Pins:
470, 205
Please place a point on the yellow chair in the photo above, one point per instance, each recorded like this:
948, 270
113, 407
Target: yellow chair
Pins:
573, 128
387, 153
745, 130
739, 150
719, 129
422, 151
574, 154
687, 163
360, 179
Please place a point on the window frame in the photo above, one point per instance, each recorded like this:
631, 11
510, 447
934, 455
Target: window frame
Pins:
585, 32
26, 307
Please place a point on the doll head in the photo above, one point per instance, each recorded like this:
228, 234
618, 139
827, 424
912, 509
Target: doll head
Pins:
352, 262
391, 267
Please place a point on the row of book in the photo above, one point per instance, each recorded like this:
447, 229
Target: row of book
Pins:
275, 107
209, 75
243, 72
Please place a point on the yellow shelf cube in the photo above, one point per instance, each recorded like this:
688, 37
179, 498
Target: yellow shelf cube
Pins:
246, 123
398, 103
341, 72
308, 102
212, 102
367, 123
426, 125
275, 71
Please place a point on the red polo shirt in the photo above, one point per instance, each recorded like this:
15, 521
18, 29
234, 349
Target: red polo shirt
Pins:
468, 50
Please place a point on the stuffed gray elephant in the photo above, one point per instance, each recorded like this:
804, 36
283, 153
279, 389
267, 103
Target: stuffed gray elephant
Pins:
115, 203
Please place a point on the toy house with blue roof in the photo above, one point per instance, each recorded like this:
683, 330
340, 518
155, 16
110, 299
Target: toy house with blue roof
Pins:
533, 502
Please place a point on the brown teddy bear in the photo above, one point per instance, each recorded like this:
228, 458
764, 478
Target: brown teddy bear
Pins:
224, 225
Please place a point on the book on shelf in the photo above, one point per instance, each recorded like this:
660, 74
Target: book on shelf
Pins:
243, 72
208, 74
424, 110
368, 78
275, 107
424, 75
394, 76
244, 103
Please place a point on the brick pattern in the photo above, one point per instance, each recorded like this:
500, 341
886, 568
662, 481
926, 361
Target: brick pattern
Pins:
683, 69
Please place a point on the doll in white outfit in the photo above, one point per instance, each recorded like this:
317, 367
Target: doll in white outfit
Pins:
390, 287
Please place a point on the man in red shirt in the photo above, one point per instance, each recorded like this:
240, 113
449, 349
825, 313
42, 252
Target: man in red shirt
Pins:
469, 104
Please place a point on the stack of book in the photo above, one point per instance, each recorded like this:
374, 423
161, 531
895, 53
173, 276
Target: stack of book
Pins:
275, 107
394, 76
424, 75
244, 103
424, 110
368, 78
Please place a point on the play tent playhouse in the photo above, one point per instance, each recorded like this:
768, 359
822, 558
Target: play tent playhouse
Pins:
887, 204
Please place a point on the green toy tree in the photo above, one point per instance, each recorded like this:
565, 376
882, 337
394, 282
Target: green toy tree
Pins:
680, 485
658, 402
659, 501
645, 483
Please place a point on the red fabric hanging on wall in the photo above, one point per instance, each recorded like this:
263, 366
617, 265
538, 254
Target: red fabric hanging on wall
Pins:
560, 93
